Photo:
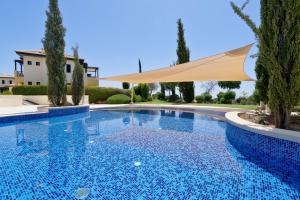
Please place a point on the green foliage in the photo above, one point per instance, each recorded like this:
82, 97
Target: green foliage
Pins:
118, 99
100, 94
226, 97
204, 98
172, 98
256, 96
183, 56
229, 84
279, 54
262, 83
142, 90
161, 96
54, 46
140, 66
30, 90
126, 85
199, 99
77, 79
7, 92
138, 99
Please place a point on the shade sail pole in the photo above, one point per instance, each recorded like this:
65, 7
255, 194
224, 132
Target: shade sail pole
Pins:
131, 93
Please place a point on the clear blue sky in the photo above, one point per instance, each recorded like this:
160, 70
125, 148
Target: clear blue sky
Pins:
114, 34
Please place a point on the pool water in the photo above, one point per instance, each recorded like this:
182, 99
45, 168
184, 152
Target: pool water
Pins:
154, 154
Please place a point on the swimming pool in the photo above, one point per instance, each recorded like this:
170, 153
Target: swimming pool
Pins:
132, 154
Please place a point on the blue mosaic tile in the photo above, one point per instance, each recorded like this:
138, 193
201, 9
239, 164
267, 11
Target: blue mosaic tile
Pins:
54, 112
143, 155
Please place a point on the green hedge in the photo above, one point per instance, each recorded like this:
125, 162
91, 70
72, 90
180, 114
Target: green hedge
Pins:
101, 94
118, 99
96, 94
30, 90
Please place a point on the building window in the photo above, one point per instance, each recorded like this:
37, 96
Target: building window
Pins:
37, 63
29, 62
68, 83
10, 82
68, 68
29, 83
38, 83
3, 81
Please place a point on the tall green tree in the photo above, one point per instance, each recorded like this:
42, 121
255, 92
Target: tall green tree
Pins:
279, 54
54, 45
183, 56
229, 85
140, 66
126, 85
77, 79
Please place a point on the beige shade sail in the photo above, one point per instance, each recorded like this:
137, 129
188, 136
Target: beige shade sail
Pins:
227, 66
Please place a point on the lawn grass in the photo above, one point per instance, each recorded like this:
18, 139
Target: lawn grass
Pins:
247, 107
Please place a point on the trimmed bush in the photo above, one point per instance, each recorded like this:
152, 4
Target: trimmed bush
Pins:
30, 90
101, 94
118, 99
227, 97
204, 98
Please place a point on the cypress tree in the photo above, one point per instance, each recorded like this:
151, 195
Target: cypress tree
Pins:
126, 85
77, 79
279, 54
54, 46
140, 66
183, 56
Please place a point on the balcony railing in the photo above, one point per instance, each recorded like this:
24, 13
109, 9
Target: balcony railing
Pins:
19, 74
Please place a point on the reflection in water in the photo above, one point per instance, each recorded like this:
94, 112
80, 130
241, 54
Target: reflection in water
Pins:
31, 139
184, 121
145, 116
188, 123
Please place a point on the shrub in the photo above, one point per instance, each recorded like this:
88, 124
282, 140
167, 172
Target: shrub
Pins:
30, 90
142, 90
161, 96
118, 99
220, 95
172, 98
7, 92
138, 99
242, 100
150, 98
101, 94
155, 96
226, 97
200, 99
204, 98
229, 96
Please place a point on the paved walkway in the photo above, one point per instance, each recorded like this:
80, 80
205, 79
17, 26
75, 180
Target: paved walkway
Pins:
4, 111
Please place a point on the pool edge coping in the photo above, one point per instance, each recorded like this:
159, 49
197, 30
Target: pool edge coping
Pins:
234, 119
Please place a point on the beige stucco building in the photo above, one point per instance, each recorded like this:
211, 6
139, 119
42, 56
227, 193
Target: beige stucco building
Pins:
31, 69
6, 81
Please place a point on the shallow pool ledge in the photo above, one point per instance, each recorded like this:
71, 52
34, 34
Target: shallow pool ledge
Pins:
45, 112
234, 119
